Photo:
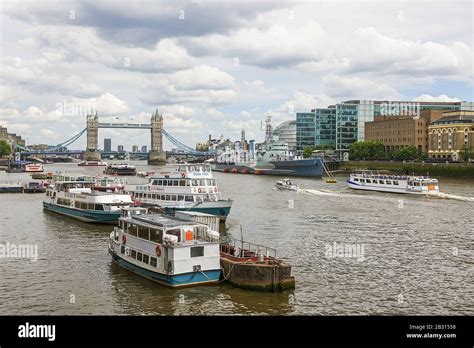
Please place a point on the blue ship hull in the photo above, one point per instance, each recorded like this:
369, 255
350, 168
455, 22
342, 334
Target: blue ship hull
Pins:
172, 280
222, 212
14, 189
304, 167
96, 216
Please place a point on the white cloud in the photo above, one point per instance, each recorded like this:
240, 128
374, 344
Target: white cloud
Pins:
357, 88
440, 98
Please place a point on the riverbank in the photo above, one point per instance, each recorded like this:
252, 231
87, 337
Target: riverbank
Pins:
451, 170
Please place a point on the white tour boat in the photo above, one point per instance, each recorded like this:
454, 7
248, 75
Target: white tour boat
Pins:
371, 181
171, 251
74, 196
191, 187
34, 168
286, 184
92, 164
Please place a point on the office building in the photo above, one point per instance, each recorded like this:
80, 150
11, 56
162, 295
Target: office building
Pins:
107, 145
135, 148
144, 149
286, 132
120, 148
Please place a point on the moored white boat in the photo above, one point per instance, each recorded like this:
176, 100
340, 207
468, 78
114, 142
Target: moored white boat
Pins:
372, 181
92, 164
190, 187
74, 197
167, 250
34, 168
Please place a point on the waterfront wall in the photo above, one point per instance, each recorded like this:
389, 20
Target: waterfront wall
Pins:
453, 170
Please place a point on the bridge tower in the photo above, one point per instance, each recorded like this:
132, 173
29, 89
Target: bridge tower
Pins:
156, 155
92, 152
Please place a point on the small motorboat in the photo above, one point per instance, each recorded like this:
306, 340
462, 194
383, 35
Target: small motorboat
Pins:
286, 184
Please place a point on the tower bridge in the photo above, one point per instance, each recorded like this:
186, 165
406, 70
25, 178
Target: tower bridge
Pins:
156, 154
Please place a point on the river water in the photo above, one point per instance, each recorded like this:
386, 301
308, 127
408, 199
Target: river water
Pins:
415, 254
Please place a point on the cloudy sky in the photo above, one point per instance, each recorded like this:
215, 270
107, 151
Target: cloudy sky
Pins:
214, 66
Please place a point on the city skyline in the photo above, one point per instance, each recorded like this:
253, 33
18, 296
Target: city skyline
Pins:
205, 77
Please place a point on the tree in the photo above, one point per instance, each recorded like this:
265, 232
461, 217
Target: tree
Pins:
466, 153
405, 154
5, 148
308, 151
367, 150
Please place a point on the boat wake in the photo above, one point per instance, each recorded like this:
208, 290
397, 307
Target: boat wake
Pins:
314, 192
450, 196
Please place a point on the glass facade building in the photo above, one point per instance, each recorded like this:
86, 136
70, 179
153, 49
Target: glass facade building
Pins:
305, 130
342, 124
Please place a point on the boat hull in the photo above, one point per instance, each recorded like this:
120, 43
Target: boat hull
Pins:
172, 280
367, 187
94, 216
13, 189
298, 168
219, 208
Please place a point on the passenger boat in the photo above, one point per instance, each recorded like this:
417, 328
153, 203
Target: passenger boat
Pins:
34, 187
371, 181
34, 168
120, 169
74, 197
167, 250
286, 184
11, 187
92, 164
191, 187
109, 184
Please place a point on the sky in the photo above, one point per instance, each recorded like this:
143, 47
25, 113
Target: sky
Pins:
216, 67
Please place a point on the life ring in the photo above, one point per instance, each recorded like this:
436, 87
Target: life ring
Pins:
158, 250
199, 190
183, 175
124, 239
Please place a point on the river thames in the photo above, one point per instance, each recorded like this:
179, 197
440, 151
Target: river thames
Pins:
415, 254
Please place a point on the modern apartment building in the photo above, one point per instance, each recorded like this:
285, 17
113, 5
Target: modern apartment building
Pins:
107, 145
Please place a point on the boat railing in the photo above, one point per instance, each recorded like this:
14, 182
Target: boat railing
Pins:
242, 249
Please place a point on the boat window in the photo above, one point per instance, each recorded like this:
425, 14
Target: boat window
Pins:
162, 197
156, 236
139, 256
395, 182
122, 249
145, 258
356, 179
168, 197
153, 261
188, 198
176, 183
175, 232
91, 206
170, 182
417, 184
165, 182
381, 182
197, 251
388, 182
362, 180
132, 229
368, 181
134, 254
143, 232
180, 198
99, 207
182, 183
195, 183
173, 197
77, 204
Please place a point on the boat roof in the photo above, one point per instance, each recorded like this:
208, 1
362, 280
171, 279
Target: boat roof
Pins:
161, 220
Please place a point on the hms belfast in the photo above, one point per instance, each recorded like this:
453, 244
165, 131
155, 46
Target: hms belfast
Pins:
273, 157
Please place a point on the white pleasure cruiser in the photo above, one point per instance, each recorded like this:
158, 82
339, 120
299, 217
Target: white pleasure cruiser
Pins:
74, 196
171, 251
190, 187
371, 181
